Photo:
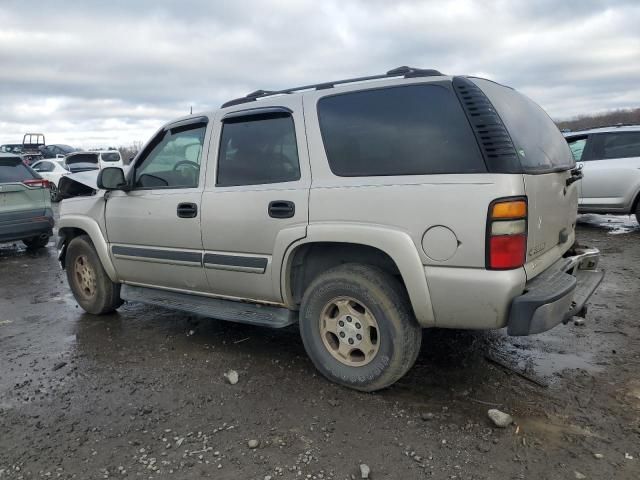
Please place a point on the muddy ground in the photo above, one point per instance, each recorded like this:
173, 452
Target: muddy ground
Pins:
141, 394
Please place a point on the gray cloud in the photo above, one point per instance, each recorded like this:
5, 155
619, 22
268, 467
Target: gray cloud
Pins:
111, 72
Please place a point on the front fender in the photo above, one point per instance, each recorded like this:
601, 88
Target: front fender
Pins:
68, 226
397, 244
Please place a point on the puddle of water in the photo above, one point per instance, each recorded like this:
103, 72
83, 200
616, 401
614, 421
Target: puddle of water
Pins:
615, 224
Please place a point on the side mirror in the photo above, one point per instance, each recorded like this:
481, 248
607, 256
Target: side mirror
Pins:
111, 178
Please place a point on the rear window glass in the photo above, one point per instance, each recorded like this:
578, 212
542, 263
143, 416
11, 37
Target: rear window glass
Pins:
14, 171
408, 130
110, 157
83, 158
540, 145
614, 145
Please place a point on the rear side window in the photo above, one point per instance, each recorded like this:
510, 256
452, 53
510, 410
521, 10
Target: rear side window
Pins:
12, 171
540, 145
605, 146
44, 167
408, 130
258, 149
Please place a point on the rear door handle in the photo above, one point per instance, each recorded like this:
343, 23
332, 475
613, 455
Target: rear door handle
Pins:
187, 210
282, 209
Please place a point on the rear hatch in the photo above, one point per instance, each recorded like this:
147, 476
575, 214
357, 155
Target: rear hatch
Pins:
546, 162
82, 162
15, 196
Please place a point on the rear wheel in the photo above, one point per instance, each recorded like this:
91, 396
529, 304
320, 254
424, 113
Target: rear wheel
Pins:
90, 284
53, 192
357, 327
36, 242
638, 212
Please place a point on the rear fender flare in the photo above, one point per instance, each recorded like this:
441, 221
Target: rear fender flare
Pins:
397, 244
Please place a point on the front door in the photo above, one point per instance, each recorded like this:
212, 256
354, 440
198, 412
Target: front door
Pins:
154, 229
611, 162
255, 204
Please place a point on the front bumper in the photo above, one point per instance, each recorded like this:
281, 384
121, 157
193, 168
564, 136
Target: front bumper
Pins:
557, 294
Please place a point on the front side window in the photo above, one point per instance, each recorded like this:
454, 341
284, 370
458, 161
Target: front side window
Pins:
605, 146
173, 161
408, 130
258, 149
577, 147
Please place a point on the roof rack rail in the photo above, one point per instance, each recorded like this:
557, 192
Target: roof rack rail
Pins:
404, 71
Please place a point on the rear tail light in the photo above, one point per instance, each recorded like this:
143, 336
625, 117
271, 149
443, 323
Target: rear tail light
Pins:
36, 183
507, 233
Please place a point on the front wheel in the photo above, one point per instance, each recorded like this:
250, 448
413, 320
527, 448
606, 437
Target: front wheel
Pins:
358, 328
90, 284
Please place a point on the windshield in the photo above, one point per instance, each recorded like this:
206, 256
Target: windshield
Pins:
110, 157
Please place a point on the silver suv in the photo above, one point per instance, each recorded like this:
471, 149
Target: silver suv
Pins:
363, 209
610, 161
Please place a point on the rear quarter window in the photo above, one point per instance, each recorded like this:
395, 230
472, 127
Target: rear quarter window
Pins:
406, 130
540, 145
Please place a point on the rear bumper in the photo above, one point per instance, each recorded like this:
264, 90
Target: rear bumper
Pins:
27, 224
557, 294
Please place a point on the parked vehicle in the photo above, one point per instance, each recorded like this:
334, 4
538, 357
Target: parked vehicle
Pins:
25, 206
110, 158
610, 161
56, 150
14, 148
364, 209
32, 143
52, 170
82, 161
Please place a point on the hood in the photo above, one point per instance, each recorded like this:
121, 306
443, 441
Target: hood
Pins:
78, 184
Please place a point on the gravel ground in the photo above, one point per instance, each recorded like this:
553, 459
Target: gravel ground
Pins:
142, 393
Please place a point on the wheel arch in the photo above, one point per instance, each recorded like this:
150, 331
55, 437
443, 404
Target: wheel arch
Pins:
326, 246
69, 228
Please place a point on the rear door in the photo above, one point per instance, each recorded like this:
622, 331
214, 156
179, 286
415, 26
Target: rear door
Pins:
611, 171
546, 162
256, 202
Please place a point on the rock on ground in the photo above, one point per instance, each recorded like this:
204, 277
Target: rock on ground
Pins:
500, 419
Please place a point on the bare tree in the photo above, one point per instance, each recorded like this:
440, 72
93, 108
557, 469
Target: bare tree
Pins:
614, 117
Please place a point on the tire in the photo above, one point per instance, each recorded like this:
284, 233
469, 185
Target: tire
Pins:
637, 213
360, 293
91, 286
34, 243
53, 192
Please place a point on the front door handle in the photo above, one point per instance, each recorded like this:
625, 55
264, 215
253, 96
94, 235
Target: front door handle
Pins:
187, 210
282, 209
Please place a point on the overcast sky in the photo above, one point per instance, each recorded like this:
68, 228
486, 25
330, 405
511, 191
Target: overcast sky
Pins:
110, 73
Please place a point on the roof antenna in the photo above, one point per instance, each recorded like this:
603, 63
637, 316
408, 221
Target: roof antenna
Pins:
191, 110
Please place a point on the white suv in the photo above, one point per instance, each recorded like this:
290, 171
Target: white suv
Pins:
364, 209
610, 161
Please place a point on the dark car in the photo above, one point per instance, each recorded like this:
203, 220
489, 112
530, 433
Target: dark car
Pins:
82, 161
25, 205
56, 151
